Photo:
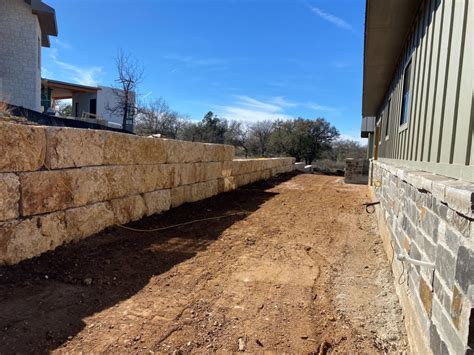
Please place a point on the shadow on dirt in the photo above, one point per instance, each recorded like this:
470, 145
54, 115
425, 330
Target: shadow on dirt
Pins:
43, 301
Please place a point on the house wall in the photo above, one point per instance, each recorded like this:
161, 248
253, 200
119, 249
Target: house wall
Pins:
438, 135
83, 99
58, 185
20, 53
106, 97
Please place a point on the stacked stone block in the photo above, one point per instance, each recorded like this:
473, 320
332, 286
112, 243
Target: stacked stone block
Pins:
58, 185
429, 218
356, 171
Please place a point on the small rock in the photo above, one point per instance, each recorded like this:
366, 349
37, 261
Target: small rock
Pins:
87, 281
137, 338
241, 344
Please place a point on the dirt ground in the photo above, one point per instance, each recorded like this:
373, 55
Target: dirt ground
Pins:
303, 272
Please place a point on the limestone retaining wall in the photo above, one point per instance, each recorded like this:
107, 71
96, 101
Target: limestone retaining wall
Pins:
429, 217
58, 185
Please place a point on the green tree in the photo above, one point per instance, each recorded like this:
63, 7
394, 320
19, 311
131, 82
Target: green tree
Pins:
303, 138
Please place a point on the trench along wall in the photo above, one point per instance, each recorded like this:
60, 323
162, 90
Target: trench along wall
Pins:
58, 185
430, 218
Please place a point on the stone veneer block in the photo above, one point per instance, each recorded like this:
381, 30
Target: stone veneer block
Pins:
85, 221
22, 148
22, 239
460, 197
157, 201
128, 209
126, 149
9, 196
72, 147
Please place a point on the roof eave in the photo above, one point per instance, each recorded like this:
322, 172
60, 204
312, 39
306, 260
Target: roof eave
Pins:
387, 26
47, 20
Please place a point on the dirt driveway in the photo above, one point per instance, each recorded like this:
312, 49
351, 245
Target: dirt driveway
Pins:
303, 272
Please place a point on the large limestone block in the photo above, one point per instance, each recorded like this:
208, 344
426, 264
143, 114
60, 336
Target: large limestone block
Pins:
23, 239
187, 174
193, 152
227, 168
203, 190
226, 184
128, 209
218, 152
157, 201
72, 147
88, 220
126, 149
49, 191
179, 195
129, 180
209, 171
242, 180
193, 193
9, 196
22, 148
121, 180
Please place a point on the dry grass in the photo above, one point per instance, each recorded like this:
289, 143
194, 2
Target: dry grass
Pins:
4, 108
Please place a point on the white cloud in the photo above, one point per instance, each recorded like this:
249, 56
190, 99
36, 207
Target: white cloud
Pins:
249, 109
318, 107
249, 115
353, 136
193, 62
258, 105
70, 72
339, 22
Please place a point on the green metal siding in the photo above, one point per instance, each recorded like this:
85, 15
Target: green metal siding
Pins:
439, 133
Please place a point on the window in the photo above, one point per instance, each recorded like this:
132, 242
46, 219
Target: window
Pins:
406, 95
387, 124
93, 106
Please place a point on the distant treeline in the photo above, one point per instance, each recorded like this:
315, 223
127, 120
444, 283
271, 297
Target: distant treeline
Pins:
304, 139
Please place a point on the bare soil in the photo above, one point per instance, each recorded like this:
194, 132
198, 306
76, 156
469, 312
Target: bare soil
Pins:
303, 272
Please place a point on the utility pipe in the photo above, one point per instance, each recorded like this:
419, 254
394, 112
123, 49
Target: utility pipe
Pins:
403, 257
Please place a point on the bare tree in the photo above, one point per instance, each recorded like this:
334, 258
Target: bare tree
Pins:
158, 118
130, 75
262, 132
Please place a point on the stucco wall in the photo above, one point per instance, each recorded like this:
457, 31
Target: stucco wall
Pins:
62, 184
20, 41
429, 217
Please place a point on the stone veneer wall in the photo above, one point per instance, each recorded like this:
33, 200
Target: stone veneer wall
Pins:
58, 185
429, 217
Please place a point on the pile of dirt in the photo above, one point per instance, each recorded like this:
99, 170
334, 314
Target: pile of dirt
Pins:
303, 272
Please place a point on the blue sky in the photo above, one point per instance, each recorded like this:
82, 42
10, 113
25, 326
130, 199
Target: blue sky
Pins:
243, 59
